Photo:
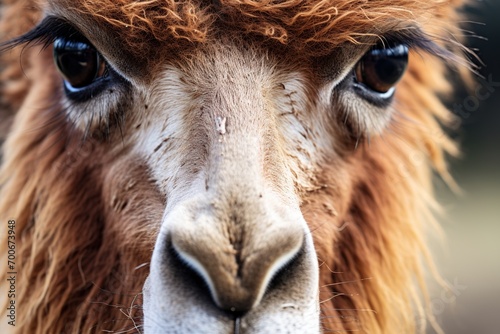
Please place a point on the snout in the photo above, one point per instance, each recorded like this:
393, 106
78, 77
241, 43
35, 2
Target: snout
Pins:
235, 253
234, 250
218, 267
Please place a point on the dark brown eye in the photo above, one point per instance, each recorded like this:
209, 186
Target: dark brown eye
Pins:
79, 62
382, 67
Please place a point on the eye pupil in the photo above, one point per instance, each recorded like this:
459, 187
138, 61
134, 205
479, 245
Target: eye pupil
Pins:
381, 68
78, 62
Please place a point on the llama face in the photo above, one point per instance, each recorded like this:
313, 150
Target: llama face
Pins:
253, 169
221, 136
232, 212
233, 136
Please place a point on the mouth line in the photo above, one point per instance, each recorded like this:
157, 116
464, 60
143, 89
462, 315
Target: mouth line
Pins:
237, 323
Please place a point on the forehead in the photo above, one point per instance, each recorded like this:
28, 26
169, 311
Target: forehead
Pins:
314, 26
138, 36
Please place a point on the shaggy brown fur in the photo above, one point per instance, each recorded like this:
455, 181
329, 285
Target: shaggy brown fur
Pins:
81, 272
311, 26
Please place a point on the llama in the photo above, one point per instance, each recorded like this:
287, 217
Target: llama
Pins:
230, 166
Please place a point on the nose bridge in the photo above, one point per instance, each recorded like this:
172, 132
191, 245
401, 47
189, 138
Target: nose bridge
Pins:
238, 183
245, 145
237, 160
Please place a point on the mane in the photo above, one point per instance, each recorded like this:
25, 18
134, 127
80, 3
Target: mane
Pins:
77, 265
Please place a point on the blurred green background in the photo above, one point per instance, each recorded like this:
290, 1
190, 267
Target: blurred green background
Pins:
470, 258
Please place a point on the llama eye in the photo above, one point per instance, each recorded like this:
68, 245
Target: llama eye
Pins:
382, 67
78, 62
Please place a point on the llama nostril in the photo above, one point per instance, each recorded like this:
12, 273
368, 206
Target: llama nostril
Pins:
189, 276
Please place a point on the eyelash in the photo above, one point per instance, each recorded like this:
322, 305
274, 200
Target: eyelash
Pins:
45, 34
